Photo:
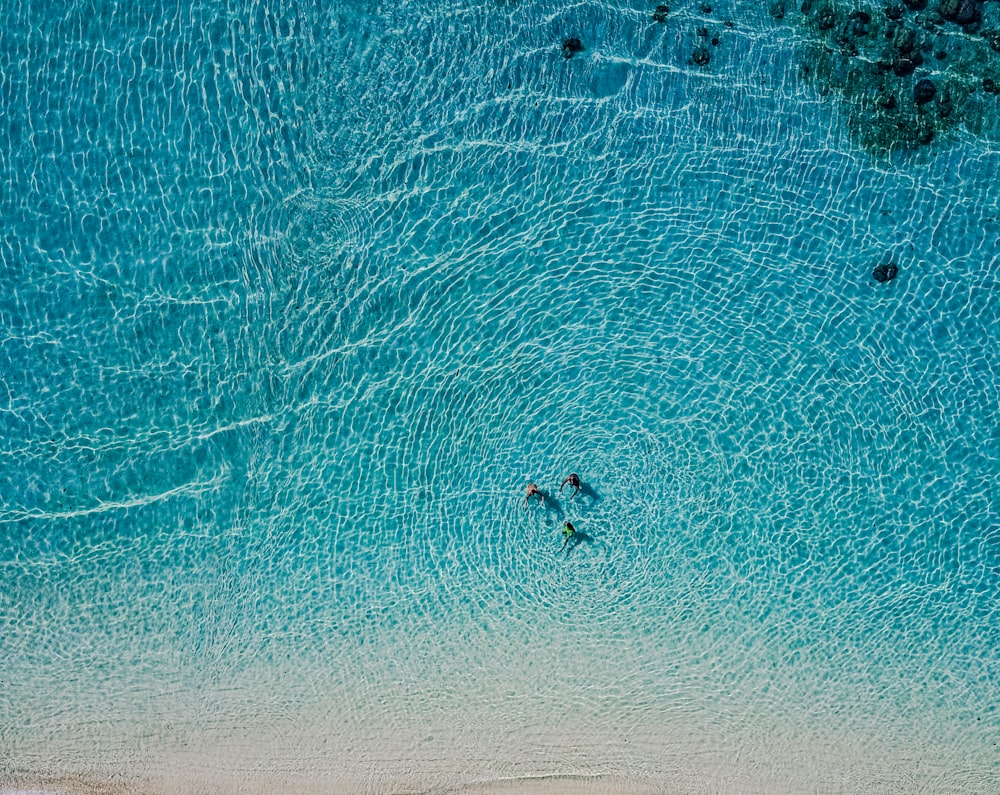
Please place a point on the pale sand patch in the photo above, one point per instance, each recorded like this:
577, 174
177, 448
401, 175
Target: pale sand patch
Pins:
559, 785
529, 785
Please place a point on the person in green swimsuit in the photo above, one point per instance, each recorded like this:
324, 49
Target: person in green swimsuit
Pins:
568, 531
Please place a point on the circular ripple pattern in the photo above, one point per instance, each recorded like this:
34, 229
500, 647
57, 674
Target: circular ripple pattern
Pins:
298, 301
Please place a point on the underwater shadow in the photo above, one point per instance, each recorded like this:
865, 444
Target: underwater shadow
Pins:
554, 506
549, 504
578, 538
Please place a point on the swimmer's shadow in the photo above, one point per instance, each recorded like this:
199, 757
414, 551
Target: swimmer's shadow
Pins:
553, 506
586, 490
579, 537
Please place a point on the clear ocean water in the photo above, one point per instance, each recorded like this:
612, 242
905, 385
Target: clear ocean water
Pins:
296, 299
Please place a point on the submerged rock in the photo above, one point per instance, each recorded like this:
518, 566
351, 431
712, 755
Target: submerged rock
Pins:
856, 28
571, 47
701, 56
904, 40
924, 91
885, 273
660, 14
962, 12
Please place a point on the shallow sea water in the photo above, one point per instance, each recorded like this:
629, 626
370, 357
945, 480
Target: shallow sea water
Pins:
297, 299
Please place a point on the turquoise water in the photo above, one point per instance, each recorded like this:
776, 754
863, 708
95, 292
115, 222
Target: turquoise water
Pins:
297, 299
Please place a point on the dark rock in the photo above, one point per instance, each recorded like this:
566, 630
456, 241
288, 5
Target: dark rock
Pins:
903, 67
925, 134
963, 12
701, 56
861, 16
807, 7
917, 58
777, 10
702, 32
660, 14
924, 91
729, 23
894, 13
715, 41
993, 37
940, 55
948, 8
571, 47
990, 86
706, 8
887, 101
904, 40
916, 5
885, 272
827, 18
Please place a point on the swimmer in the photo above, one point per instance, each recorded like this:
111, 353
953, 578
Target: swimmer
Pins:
569, 531
574, 481
533, 491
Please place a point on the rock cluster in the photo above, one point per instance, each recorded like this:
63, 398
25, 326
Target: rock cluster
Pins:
701, 54
908, 70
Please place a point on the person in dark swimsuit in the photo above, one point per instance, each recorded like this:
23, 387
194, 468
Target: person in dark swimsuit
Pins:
574, 481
